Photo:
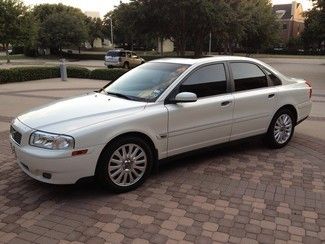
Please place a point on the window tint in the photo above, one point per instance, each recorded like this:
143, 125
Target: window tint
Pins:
273, 78
248, 76
207, 81
113, 54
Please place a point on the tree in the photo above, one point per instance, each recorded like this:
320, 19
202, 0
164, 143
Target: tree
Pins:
261, 29
314, 32
60, 26
250, 23
125, 18
12, 14
95, 29
61, 30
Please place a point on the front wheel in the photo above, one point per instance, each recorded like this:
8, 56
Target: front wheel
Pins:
125, 164
281, 129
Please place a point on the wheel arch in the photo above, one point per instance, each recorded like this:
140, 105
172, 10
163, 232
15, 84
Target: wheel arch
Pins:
292, 109
287, 106
135, 134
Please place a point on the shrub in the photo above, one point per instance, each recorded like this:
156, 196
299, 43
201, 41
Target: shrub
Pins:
107, 74
28, 73
78, 72
38, 73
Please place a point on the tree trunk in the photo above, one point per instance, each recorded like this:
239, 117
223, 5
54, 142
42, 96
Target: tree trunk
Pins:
198, 49
7, 53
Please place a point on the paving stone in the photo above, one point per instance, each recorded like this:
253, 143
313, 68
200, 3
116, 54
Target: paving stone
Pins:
253, 228
221, 237
235, 196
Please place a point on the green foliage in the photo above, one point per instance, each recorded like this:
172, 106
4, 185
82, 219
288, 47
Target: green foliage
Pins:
38, 73
60, 26
261, 28
78, 72
107, 74
314, 32
95, 29
43, 11
61, 30
189, 22
12, 20
28, 73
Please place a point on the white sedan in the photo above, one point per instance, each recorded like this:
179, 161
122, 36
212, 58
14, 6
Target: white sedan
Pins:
160, 109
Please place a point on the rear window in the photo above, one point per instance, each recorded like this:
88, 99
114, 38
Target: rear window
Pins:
115, 54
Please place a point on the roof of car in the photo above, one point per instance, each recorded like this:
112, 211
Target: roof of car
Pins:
191, 61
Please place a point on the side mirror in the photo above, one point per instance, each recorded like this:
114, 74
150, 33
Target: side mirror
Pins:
185, 97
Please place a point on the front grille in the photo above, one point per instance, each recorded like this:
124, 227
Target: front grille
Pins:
15, 135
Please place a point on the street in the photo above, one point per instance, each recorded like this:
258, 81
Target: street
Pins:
238, 193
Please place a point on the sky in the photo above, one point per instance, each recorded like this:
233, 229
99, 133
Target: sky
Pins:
104, 6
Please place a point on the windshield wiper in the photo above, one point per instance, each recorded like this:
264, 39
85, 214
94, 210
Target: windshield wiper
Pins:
120, 95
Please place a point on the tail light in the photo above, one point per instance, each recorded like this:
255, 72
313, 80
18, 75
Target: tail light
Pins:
311, 88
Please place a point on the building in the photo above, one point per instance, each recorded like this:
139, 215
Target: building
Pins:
167, 45
292, 19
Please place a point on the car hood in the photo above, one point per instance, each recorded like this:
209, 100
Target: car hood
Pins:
71, 114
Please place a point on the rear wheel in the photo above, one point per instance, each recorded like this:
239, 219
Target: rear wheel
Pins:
126, 65
125, 164
281, 129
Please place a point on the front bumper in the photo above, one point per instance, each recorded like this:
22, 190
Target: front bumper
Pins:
53, 166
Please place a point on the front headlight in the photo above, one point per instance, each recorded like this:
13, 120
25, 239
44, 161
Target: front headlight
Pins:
51, 141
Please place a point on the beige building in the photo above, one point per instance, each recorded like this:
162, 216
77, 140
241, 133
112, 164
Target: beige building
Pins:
292, 19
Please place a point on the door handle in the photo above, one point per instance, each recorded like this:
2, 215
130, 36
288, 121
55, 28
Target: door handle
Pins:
225, 103
271, 95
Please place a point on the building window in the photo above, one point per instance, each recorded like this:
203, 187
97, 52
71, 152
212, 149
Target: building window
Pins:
285, 26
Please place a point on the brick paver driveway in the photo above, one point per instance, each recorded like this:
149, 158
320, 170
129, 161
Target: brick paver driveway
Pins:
239, 193
242, 193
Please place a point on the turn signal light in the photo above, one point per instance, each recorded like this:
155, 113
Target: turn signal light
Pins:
79, 152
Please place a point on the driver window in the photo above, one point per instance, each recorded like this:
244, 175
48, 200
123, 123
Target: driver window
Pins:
206, 81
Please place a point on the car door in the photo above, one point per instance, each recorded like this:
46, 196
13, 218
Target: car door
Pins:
204, 122
254, 100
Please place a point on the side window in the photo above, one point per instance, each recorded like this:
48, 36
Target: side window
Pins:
123, 54
128, 55
273, 78
248, 76
206, 81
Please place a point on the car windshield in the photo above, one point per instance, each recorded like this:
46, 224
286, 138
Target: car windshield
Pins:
146, 82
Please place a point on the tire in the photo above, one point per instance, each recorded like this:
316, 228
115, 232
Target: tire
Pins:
281, 129
116, 173
126, 65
